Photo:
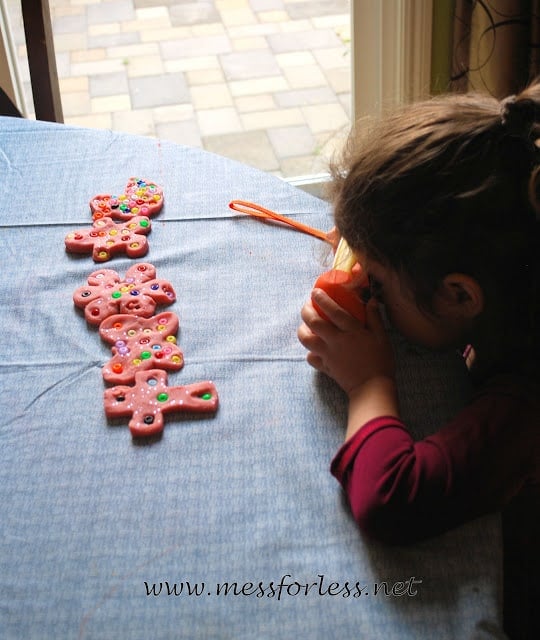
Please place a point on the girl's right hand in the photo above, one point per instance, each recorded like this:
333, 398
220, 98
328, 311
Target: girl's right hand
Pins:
343, 347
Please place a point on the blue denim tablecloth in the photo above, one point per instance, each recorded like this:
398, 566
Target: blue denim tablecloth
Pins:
95, 529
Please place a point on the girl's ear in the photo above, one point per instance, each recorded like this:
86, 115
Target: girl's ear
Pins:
462, 296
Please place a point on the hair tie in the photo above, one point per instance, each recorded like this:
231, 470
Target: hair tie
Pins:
505, 108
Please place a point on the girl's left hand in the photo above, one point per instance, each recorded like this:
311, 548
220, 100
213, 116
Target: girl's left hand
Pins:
343, 348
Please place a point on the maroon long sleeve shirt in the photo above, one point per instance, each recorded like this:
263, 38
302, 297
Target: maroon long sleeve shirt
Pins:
401, 491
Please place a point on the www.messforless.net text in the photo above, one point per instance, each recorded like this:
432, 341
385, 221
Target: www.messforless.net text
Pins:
286, 587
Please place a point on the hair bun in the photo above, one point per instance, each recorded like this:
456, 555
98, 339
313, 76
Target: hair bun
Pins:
505, 106
519, 114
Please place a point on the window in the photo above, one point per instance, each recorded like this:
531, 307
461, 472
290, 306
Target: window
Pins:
267, 82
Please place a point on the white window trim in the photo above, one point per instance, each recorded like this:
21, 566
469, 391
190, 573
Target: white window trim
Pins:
391, 53
9, 70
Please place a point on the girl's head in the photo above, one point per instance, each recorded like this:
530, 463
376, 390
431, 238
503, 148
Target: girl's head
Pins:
450, 186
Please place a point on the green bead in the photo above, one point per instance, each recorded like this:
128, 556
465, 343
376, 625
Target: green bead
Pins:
116, 294
206, 396
145, 355
162, 397
144, 223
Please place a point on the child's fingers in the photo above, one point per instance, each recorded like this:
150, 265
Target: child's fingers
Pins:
336, 314
305, 335
308, 339
313, 344
315, 361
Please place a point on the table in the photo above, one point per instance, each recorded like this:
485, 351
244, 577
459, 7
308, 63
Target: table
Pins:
229, 525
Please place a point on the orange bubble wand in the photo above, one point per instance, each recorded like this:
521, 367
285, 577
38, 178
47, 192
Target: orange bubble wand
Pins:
340, 285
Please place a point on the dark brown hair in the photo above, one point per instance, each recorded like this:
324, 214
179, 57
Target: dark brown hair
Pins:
448, 185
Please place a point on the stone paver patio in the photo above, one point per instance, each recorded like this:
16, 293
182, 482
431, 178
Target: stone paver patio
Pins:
266, 82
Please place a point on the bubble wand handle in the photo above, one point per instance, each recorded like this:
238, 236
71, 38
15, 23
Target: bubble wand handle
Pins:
258, 211
338, 283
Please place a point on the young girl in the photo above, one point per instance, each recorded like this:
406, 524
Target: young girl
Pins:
439, 203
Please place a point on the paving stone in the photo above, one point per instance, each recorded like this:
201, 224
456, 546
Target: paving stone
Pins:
295, 59
88, 55
151, 13
249, 64
92, 121
143, 27
107, 29
74, 84
76, 103
257, 86
325, 117
292, 141
186, 133
301, 166
302, 41
296, 26
339, 79
208, 29
316, 8
331, 144
173, 113
143, 4
192, 64
273, 16
204, 76
248, 104
172, 34
104, 104
304, 77
118, 11
266, 5
218, 121
234, 17
69, 24
252, 148
250, 30
144, 66
138, 122
231, 4
341, 22
245, 44
64, 8
70, 42
63, 66
193, 13
300, 97
133, 50
211, 96
154, 91
333, 58
113, 39
212, 45
96, 67
108, 84
273, 118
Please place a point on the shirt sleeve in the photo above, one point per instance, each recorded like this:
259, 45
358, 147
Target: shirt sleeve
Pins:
402, 491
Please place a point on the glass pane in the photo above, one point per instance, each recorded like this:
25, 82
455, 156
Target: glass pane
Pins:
266, 82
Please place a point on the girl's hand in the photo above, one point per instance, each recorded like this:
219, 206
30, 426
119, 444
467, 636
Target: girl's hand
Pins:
359, 358
344, 348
